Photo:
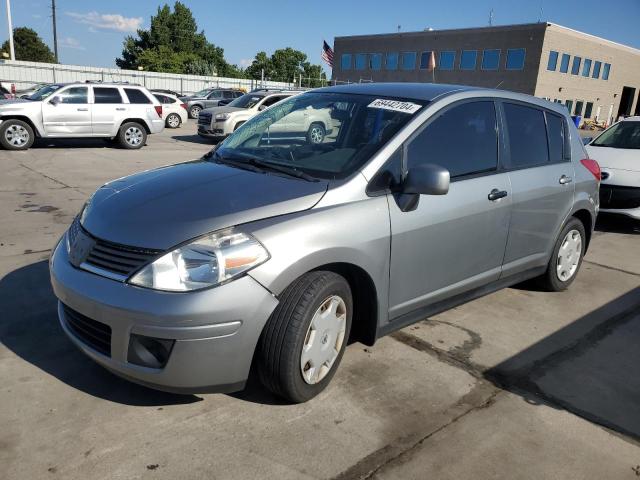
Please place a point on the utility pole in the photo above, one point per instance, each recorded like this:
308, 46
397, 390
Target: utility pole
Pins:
12, 52
55, 30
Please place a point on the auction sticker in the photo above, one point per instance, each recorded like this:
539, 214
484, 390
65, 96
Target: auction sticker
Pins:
395, 105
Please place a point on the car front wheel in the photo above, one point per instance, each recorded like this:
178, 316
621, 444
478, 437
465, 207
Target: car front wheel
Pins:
304, 340
16, 135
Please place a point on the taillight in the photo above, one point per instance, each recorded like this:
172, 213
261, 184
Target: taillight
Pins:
158, 110
183, 105
593, 167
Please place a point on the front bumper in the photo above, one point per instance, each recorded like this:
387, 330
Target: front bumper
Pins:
215, 330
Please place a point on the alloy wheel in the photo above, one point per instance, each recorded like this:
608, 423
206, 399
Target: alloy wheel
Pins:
133, 136
16, 135
173, 121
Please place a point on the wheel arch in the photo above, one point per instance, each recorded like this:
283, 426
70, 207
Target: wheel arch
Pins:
136, 120
25, 119
587, 220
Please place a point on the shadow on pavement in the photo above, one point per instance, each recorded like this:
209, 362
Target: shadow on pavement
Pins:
610, 222
73, 143
30, 329
589, 367
195, 138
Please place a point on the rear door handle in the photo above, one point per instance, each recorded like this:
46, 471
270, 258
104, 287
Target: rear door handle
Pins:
83, 109
564, 180
121, 109
497, 194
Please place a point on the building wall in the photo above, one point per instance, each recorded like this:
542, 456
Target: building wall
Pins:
529, 36
625, 71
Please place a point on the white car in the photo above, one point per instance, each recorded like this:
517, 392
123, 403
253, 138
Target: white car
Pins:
617, 150
124, 112
174, 110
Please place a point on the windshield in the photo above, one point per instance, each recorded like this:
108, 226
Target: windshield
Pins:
326, 135
625, 134
246, 101
202, 93
44, 92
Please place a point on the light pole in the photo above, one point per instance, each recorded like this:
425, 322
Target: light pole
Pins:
9, 24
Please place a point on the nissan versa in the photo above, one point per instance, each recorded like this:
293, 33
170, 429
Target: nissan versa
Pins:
276, 252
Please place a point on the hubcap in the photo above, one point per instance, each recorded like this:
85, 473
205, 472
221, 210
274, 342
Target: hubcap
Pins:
16, 135
133, 136
569, 255
316, 135
323, 340
195, 111
174, 121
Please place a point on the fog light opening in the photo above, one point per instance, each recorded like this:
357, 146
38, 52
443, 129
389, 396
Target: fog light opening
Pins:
149, 351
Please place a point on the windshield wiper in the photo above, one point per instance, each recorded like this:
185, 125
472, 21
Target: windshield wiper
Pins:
277, 167
234, 162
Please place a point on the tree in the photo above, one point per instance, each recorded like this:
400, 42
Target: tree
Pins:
285, 65
173, 44
29, 46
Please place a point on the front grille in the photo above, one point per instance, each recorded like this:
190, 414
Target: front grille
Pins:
119, 259
95, 334
204, 118
613, 196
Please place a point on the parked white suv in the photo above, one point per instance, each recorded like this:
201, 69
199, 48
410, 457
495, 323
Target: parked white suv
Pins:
220, 122
127, 113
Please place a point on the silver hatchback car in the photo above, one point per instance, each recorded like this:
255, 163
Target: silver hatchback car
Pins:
276, 252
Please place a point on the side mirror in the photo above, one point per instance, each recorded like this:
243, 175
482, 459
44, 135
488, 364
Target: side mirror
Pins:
586, 140
426, 179
54, 101
261, 107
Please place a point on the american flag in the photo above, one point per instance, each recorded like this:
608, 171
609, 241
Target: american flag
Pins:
327, 54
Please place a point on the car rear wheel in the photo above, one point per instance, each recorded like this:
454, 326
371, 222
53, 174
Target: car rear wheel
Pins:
16, 135
316, 133
566, 258
194, 111
173, 120
303, 342
132, 135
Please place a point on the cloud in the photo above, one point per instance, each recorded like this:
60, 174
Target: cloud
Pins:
107, 21
70, 42
245, 62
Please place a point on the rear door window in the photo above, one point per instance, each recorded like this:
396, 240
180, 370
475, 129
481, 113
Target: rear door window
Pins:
556, 135
136, 96
463, 139
527, 136
106, 95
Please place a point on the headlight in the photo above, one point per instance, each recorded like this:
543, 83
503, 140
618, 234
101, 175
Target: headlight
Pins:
205, 262
222, 116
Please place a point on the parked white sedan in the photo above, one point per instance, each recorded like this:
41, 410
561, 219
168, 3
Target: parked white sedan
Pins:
617, 150
174, 111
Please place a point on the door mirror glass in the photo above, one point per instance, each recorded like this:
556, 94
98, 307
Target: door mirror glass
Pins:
426, 179
586, 140
54, 101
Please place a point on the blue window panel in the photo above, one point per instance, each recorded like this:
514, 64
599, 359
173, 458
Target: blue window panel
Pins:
468, 59
392, 61
596, 69
361, 61
375, 61
447, 60
424, 60
575, 67
586, 68
491, 59
408, 60
605, 71
345, 61
553, 61
564, 63
515, 59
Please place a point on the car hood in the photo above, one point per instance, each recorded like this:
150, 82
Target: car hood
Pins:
12, 102
223, 109
164, 207
618, 158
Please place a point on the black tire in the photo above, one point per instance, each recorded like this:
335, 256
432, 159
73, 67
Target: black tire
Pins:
316, 133
194, 111
280, 346
551, 280
132, 136
16, 135
170, 118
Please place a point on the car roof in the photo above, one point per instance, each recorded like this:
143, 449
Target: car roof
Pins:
416, 91
635, 118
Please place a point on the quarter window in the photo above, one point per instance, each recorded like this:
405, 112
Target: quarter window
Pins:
408, 60
107, 95
564, 63
596, 69
605, 71
555, 133
361, 61
392, 61
527, 136
575, 67
345, 61
447, 60
136, 96
553, 61
586, 69
490, 60
515, 59
463, 140
74, 95
468, 59
375, 61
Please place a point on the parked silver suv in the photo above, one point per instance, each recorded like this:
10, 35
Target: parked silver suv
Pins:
209, 97
280, 251
126, 113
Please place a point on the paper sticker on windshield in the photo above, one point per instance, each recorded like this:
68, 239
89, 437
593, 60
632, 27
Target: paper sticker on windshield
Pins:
395, 105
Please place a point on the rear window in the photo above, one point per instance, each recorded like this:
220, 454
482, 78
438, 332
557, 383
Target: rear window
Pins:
106, 95
136, 96
527, 136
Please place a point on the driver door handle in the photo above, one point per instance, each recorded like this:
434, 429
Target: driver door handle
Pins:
564, 180
83, 109
496, 194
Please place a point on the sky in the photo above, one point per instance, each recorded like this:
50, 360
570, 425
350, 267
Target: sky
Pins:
90, 32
